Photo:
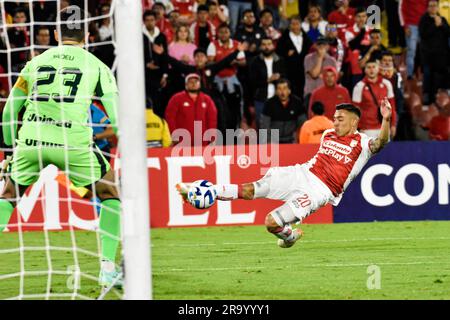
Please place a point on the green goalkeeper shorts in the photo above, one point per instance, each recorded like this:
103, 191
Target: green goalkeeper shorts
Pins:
83, 166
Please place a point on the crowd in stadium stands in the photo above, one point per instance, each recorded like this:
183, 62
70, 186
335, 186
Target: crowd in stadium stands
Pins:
269, 64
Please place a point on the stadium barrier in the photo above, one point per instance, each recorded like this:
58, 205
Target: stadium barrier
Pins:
406, 181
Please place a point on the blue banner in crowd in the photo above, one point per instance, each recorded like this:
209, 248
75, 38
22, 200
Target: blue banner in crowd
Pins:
405, 181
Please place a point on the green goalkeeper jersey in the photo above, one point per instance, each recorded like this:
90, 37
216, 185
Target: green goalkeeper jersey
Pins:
60, 85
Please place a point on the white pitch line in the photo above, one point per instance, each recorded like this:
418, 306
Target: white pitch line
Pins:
333, 265
302, 241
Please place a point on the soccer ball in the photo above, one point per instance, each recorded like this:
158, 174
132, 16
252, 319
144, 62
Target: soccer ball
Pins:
202, 194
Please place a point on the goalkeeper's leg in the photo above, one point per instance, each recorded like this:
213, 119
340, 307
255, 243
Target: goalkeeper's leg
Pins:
109, 225
8, 201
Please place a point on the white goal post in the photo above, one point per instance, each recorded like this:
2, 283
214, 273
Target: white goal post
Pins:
133, 153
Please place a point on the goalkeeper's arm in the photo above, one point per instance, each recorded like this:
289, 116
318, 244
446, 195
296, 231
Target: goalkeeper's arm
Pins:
16, 101
111, 103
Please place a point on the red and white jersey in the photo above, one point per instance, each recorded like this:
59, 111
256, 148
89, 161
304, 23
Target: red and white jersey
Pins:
339, 160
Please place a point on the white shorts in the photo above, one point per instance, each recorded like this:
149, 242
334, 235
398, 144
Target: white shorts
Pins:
302, 191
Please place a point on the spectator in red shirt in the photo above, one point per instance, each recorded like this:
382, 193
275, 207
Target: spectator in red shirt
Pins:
330, 94
439, 126
226, 80
217, 14
185, 8
174, 18
162, 22
357, 38
368, 94
189, 110
343, 16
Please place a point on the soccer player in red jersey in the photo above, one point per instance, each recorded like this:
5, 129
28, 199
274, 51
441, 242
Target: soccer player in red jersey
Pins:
306, 187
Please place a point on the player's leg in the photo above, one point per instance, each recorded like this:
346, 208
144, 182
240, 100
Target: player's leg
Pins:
110, 214
278, 222
21, 172
90, 169
8, 202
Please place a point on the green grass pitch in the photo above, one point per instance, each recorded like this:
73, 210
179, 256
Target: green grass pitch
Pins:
330, 262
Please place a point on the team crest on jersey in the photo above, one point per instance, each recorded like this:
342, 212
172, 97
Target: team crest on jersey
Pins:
354, 143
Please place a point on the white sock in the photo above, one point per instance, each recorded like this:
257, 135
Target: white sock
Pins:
285, 233
227, 191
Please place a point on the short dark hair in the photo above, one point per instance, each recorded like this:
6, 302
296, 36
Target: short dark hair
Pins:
371, 60
264, 11
265, 37
202, 7
20, 9
247, 11
315, 5
318, 108
159, 4
375, 31
296, 17
199, 50
148, 13
283, 81
360, 10
387, 53
350, 108
70, 28
42, 28
223, 25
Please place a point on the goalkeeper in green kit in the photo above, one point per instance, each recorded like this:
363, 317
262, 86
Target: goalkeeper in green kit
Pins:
56, 89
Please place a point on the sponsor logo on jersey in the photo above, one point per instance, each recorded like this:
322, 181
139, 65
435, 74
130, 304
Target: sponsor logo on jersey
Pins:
35, 143
336, 150
47, 120
335, 154
336, 146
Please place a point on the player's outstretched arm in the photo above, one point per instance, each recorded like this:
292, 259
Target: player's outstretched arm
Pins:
383, 138
16, 101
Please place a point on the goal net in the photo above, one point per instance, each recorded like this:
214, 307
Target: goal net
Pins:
52, 246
